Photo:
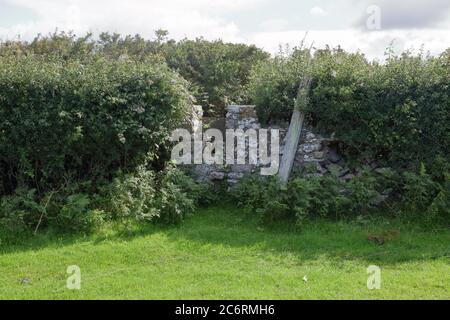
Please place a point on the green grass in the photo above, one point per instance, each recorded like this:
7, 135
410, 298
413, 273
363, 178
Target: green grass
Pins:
221, 254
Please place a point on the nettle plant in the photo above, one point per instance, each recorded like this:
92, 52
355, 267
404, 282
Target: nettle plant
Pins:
306, 198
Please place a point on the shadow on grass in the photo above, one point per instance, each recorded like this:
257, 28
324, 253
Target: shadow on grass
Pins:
336, 240
231, 228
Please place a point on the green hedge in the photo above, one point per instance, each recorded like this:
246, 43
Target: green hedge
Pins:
217, 71
64, 121
411, 196
397, 111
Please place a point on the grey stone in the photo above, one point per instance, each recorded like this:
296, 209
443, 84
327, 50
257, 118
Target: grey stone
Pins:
344, 171
244, 168
202, 171
309, 158
215, 175
333, 156
321, 169
319, 154
310, 136
348, 177
235, 175
308, 148
233, 109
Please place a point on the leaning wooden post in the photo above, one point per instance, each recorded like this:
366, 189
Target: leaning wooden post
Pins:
295, 130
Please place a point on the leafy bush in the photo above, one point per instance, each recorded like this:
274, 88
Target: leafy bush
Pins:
419, 190
424, 198
20, 211
168, 196
174, 203
218, 71
75, 215
202, 193
409, 195
63, 210
131, 196
274, 83
179, 195
439, 209
262, 196
71, 121
307, 197
397, 112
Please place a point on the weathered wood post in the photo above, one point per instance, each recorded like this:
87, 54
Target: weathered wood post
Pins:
295, 130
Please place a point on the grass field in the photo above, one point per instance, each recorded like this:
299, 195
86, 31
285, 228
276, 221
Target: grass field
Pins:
222, 254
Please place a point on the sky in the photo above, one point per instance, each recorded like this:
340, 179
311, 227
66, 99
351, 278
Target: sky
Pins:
369, 26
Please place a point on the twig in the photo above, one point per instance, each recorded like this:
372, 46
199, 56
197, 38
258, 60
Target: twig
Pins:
44, 211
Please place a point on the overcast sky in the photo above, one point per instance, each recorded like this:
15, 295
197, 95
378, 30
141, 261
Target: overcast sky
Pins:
267, 23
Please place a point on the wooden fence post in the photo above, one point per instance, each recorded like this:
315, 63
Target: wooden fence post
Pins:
295, 130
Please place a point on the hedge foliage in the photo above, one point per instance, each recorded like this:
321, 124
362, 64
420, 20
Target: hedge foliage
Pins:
397, 111
64, 121
217, 71
409, 195
143, 195
84, 126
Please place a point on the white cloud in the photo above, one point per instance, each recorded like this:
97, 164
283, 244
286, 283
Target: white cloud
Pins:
373, 44
215, 19
317, 11
274, 24
182, 18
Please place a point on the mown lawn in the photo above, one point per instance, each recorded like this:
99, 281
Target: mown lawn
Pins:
222, 254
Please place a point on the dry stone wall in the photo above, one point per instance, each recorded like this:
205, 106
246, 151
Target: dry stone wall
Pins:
316, 154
